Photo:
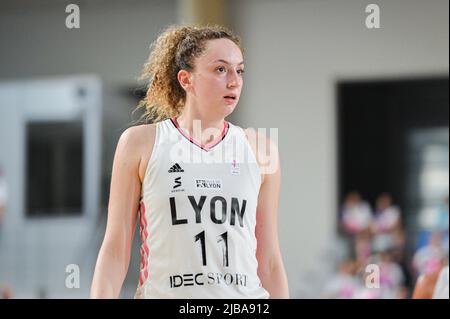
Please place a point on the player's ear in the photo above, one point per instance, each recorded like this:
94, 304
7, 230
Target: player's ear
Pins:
185, 79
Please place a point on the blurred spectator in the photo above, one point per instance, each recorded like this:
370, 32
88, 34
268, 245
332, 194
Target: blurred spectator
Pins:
435, 218
429, 258
383, 234
438, 223
386, 226
390, 281
387, 216
344, 284
363, 248
365, 291
392, 277
356, 214
399, 245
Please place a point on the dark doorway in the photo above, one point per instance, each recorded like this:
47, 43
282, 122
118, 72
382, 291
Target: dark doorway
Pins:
384, 130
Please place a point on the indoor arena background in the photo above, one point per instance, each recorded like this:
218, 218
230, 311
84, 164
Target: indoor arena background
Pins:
361, 114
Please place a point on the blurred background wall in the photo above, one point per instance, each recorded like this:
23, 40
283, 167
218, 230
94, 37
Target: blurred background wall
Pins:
297, 54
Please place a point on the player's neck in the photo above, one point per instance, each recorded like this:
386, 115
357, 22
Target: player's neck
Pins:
200, 128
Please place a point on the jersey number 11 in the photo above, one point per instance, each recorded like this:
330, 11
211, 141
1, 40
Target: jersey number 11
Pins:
222, 240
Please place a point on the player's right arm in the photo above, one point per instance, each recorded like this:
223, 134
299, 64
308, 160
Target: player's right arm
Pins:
125, 189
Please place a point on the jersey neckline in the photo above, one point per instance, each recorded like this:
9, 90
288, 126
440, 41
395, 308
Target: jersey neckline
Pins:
206, 147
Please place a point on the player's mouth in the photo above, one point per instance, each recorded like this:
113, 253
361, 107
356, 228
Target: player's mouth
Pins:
230, 98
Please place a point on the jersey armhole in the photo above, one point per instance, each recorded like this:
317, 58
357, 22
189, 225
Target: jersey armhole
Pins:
152, 156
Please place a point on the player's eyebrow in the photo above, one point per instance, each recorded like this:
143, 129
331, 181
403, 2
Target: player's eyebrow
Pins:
226, 62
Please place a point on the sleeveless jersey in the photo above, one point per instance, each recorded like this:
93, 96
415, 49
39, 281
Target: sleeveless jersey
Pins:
198, 216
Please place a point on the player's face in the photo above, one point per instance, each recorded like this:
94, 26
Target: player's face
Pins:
217, 78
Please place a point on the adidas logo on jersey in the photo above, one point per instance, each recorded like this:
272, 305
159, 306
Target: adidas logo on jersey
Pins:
176, 169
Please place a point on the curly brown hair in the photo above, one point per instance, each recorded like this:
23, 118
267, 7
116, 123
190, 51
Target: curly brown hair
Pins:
174, 50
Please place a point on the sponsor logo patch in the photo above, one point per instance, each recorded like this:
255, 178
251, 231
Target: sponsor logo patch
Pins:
202, 183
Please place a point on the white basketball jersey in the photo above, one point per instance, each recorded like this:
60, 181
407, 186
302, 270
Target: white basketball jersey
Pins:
198, 217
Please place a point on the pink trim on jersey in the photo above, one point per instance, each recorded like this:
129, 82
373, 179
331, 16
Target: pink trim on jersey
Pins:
143, 274
205, 147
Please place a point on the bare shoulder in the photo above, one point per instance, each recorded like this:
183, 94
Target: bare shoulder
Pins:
265, 150
140, 139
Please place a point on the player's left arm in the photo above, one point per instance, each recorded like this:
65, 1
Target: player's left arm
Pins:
270, 263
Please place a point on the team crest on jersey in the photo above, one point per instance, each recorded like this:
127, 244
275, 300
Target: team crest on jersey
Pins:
214, 184
235, 168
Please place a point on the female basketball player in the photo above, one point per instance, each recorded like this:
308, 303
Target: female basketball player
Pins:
208, 227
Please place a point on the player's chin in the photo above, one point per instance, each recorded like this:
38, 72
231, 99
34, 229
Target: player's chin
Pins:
227, 109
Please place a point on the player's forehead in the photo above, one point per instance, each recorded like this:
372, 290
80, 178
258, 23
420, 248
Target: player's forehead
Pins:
221, 51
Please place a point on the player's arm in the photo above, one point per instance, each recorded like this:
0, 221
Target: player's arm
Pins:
423, 288
114, 256
270, 263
